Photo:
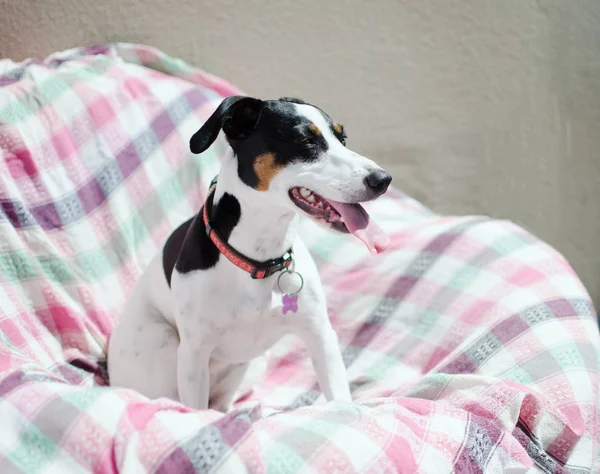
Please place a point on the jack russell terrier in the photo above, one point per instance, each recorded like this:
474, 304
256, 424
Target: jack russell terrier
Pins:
235, 278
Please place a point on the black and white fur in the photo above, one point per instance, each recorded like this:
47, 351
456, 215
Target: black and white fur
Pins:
197, 328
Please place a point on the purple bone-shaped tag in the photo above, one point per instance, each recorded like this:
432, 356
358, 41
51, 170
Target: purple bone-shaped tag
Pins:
290, 303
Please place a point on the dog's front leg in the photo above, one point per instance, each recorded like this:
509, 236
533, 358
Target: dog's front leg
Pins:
193, 376
323, 347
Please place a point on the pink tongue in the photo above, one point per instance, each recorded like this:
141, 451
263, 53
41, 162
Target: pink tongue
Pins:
362, 226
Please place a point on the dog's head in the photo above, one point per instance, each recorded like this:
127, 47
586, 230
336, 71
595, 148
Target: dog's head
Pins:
296, 153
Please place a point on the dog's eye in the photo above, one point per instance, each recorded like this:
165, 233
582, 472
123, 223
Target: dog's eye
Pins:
340, 133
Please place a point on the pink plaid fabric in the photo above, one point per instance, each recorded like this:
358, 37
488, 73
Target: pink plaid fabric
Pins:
471, 346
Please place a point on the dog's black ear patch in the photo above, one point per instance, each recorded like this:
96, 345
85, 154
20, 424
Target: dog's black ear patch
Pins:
189, 248
243, 119
237, 116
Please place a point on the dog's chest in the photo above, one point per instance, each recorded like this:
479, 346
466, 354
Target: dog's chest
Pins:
246, 328
240, 324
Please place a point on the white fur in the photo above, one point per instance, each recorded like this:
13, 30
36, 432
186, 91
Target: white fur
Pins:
207, 335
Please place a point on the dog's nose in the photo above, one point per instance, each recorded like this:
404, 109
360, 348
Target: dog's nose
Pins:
378, 181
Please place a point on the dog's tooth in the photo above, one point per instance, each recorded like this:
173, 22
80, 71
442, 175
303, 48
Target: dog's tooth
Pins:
310, 198
305, 192
320, 204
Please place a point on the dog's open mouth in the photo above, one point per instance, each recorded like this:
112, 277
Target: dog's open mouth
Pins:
343, 217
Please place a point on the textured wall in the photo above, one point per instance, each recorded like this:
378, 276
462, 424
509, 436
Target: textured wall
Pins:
476, 106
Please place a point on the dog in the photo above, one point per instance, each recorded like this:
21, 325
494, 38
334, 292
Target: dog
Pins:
235, 278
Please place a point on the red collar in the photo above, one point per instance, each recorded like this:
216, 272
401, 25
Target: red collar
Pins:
257, 270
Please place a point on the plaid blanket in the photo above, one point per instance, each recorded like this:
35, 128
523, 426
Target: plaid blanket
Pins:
471, 346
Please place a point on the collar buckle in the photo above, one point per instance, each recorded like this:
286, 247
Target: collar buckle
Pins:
288, 260
274, 266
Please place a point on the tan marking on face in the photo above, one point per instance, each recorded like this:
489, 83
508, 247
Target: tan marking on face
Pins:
338, 128
265, 169
313, 128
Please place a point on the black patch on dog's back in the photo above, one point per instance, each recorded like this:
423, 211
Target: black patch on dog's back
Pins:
173, 247
189, 248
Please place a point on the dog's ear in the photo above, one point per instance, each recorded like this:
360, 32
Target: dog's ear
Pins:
236, 115
294, 100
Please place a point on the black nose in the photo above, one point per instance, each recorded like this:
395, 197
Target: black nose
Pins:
378, 181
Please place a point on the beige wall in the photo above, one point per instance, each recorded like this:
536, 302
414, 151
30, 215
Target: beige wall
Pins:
477, 106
